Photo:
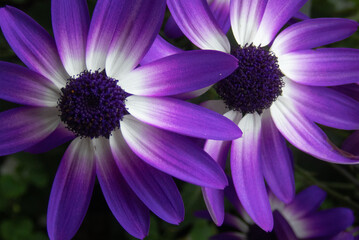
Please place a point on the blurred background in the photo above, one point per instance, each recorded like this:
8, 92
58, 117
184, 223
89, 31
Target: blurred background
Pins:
26, 179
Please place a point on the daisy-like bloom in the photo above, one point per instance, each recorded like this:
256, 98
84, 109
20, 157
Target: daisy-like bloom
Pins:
279, 92
299, 219
85, 86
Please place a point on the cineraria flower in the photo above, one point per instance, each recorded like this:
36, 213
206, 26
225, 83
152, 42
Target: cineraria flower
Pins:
299, 219
84, 85
279, 92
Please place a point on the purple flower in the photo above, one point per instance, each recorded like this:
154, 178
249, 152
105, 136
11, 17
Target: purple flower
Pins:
85, 86
279, 92
299, 219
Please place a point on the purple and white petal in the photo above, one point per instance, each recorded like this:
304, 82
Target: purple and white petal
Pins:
159, 49
351, 144
276, 14
277, 161
313, 33
129, 211
182, 117
321, 67
324, 106
156, 189
71, 191
326, 223
305, 134
197, 22
32, 44
172, 153
247, 172
282, 229
140, 23
70, 22
246, 17
221, 12
179, 73
24, 86
24, 127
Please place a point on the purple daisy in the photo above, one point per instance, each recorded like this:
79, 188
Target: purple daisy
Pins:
85, 86
279, 92
299, 219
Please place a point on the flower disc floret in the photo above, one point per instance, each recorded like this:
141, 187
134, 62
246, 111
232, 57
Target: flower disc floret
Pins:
255, 84
92, 104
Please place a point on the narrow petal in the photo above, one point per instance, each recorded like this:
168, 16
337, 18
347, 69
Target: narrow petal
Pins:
182, 117
32, 44
305, 202
247, 172
277, 161
282, 229
58, 137
136, 32
313, 33
306, 135
71, 191
246, 17
159, 49
197, 22
324, 106
156, 189
179, 73
23, 127
172, 153
129, 211
221, 12
276, 14
321, 67
351, 144
24, 86
70, 21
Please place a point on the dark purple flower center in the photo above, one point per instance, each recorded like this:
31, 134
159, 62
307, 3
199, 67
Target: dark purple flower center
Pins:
255, 84
92, 104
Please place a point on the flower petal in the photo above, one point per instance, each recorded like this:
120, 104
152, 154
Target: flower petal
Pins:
24, 86
305, 135
324, 106
172, 153
217, 106
282, 229
71, 191
351, 90
321, 67
156, 189
246, 17
141, 22
221, 12
351, 144
196, 21
313, 33
182, 117
179, 73
32, 44
247, 172
229, 236
276, 14
171, 28
23, 127
277, 161
129, 211
70, 21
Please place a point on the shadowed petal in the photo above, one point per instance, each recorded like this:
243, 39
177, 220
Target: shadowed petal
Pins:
229, 236
351, 90
321, 67
276, 14
313, 33
247, 172
139, 26
197, 22
70, 21
172, 153
282, 229
179, 73
24, 127
182, 117
155, 188
277, 161
129, 211
71, 191
351, 144
24, 86
306, 135
32, 44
